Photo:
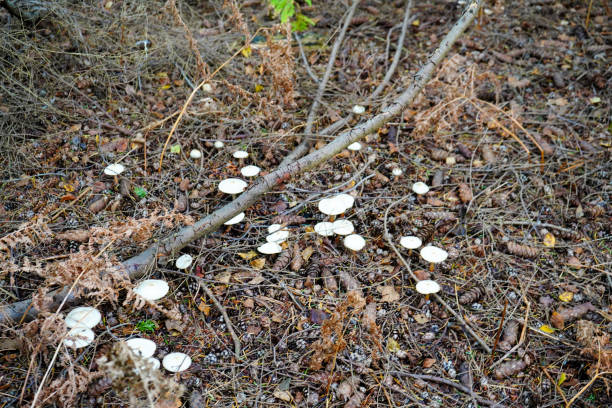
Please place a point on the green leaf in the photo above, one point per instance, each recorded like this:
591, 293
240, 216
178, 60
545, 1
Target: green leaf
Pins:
301, 23
140, 192
175, 149
146, 326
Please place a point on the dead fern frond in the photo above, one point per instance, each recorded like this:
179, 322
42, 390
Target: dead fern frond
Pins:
29, 234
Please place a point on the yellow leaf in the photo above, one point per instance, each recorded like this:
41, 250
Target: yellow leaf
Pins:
549, 240
164, 87
561, 379
547, 329
566, 296
416, 23
69, 188
258, 263
246, 52
204, 308
259, 88
247, 255
392, 345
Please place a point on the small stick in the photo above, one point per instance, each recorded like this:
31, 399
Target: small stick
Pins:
221, 309
501, 326
521, 340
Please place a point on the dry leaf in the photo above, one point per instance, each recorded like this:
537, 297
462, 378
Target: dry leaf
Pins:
258, 263
224, 277
428, 362
546, 329
549, 240
389, 294
566, 296
247, 255
282, 395
98, 205
420, 318
257, 280
307, 252
204, 308
392, 345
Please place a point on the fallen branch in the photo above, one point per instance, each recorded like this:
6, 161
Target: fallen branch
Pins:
138, 265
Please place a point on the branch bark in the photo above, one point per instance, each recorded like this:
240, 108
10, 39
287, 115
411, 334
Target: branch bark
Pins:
137, 265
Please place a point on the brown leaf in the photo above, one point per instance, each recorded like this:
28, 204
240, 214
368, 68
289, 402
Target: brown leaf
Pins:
258, 263
98, 205
184, 184
389, 294
428, 362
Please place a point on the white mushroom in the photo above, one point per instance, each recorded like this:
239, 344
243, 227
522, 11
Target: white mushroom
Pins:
397, 171
420, 188
278, 236
346, 200
433, 255
273, 228
83, 316
195, 154
354, 146
411, 242
114, 169
359, 110
343, 227
240, 154
270, 248
325, 229
250, 171
235, 220
143, 347
232, 186
184, 261
218, 144
331, 206
79, 337
427, 287
152, 289
354, 242
176, 362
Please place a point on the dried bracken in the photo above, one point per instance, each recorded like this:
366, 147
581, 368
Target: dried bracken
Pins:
522, 250
510, 336
29, 234
513, 367
596, 344
566, 315
471, 296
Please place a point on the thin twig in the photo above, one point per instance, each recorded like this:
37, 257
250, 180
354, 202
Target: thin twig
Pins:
226, 318
312, 75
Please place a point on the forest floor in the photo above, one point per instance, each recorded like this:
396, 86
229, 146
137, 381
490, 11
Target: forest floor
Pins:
513, 135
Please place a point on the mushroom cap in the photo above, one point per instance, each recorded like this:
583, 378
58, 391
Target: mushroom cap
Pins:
114, 169
427, 287
79, 337
354, 242
433, 254
359, 109
270, 248
195, 154
207, 88
84, 316
250, 171
218, 144
235, 220
278, 236
151, 362
176, 362
232, 186
273, 228
411, 242
397, 171
184, 261
325, 228
240, 154
354, 146
143, 347
152, 289
420, 188
347, 200
343, 227
331, 206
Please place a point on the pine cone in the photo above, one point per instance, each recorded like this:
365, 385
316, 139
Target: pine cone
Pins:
288, 219
470, 296
282, 260
426, 232
510, 335
438, 154
522, 250
512, 367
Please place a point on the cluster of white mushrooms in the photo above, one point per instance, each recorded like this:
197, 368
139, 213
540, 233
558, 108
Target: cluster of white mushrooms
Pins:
82, 320
337, 205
